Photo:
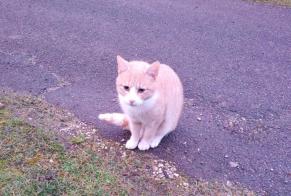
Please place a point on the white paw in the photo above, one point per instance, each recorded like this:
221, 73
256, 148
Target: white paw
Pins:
131, 144
143, 145
155, 142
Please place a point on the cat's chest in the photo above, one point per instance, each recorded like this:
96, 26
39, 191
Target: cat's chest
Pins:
137, 113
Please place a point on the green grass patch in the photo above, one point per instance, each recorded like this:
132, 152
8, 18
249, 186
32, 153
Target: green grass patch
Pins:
78, 139
33, 162
278, 2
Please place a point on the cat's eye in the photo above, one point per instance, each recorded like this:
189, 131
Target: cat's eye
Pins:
126, 88
140, 90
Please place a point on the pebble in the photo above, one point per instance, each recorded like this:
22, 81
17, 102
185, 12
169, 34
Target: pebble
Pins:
233, 164
171, 176
160, 165
185, 184
199, 118
228, 183
2, 105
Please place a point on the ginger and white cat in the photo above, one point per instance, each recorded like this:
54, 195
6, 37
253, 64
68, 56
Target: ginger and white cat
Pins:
151, 97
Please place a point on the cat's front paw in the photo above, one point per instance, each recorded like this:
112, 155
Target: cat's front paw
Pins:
131, 144
156, 141
143, 145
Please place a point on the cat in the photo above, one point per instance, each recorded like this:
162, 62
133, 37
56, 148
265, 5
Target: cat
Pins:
151, 97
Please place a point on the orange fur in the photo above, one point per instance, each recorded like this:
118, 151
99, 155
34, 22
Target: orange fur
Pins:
151, 97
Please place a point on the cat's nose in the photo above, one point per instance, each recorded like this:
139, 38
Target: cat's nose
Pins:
131, 102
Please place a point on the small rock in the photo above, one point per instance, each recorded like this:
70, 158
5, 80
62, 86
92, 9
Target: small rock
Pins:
2, 105
173, 169
230, 124
228, 183
185, 184
170, 175
160, 165
176, 175
51, 161
233, 164
272, 169
226, 156
199, 118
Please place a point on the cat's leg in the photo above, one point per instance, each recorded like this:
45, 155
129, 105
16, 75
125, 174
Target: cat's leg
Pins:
135, 129
164, 129
149, 133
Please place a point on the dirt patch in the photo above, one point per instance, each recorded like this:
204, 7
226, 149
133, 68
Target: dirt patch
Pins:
65, 154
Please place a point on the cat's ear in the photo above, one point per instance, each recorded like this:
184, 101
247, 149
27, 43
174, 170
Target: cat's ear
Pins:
122, 64
153, 70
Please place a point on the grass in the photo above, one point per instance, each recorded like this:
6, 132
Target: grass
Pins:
33, 162
37, 161
278, 2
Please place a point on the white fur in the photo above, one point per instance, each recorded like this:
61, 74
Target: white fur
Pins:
115, 118
143, 145
131, 144
135, 111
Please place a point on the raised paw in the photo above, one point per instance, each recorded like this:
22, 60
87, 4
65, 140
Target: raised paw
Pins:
131, 144
143, 145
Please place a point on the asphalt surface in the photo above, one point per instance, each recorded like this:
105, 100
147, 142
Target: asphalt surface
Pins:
233, 57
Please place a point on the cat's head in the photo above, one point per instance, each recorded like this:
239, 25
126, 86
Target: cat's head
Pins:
136, 81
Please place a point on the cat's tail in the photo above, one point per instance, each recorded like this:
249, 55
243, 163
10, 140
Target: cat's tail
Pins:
118, 119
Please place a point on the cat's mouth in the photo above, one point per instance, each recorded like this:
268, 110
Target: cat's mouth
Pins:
132, 104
